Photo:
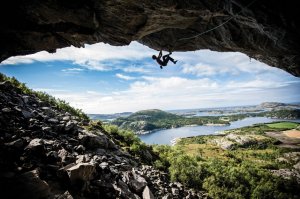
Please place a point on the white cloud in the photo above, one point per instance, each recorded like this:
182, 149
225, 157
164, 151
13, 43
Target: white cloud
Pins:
173, 93
125, 77
200, 70
73, 69
209, 63
199, 79
91, 56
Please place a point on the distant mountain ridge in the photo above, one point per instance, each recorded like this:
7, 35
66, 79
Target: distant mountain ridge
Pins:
264, 105
149, 120
277, 105
108, 116
146, 121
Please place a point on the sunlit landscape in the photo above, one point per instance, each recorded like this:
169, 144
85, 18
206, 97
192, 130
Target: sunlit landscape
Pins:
149, 100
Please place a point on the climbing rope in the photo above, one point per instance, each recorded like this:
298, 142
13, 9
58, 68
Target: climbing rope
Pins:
202, 33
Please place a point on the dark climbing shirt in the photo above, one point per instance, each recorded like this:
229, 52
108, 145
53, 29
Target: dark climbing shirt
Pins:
161, 62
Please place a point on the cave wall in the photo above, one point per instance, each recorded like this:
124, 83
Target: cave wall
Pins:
264, 30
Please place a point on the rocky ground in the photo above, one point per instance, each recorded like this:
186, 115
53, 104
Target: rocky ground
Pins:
232, 141
47, 153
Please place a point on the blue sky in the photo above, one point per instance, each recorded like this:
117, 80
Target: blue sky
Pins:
107, 79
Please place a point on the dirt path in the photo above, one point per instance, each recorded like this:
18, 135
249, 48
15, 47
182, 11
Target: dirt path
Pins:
292, 133
288, 139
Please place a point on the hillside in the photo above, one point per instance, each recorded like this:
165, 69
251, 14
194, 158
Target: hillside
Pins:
149, 120
260, 161
51, 150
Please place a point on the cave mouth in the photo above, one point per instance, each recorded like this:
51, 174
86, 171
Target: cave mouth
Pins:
264, 30
101, 78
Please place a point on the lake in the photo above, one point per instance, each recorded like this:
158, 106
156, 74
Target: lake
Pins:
165, 136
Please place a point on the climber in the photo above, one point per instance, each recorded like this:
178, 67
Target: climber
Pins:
165, 59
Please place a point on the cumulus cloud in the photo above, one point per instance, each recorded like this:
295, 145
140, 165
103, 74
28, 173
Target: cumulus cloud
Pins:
173, 93
71, 71
199, 79
90, 56
209, 63
125, 77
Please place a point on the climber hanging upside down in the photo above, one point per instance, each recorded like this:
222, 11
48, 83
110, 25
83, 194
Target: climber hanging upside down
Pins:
165, 59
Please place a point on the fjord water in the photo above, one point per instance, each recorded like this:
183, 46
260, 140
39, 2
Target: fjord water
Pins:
165, 136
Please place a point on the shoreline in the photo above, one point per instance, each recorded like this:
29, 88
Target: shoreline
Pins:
174, 141
190, 125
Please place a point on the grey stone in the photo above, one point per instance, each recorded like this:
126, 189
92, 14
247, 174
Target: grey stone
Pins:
65, 195
103, 165
53, 120
35, 144
81, 159
6, 110
81, 171
124, 191
66, 118
147, 194
48, 111
175, 191
70, 125
16, 144
27, 114
297, 166
80, 148
65, 156
32, 186
46, 128
92, 141
167, 196
25, 98
138, 183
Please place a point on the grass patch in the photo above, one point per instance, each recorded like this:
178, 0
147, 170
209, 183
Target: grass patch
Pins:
283, 125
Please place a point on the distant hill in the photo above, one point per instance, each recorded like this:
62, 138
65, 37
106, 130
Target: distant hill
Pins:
153, 115
108, 116
271, 104
277, 106
148, 120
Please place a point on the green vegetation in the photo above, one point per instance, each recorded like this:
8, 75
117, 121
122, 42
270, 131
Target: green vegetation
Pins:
242, 172
126, 139
149, 120
283, 125
282, 114
58, 103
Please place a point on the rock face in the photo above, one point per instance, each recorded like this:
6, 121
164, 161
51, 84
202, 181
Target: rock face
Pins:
40, 158
264, 30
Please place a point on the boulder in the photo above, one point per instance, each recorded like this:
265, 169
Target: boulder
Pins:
65, 195
17, 144
36, 144
29, 185
48, 111
147, 194
123, 190
138, 183
70, 125
81, 172
93, 141
6, 110
65, 156
27, 114
297, 166
53, 121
